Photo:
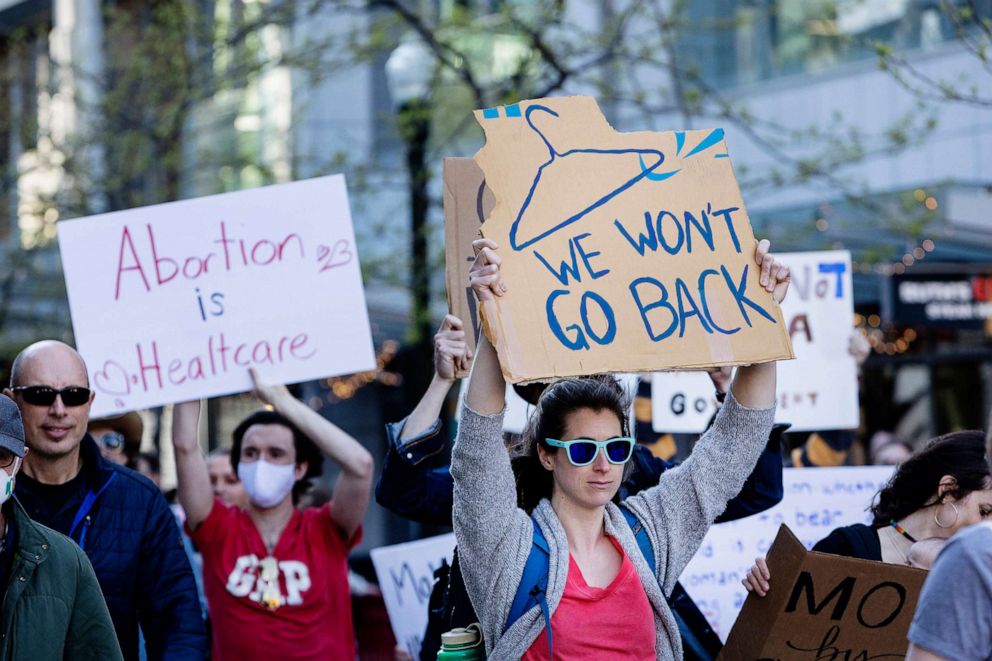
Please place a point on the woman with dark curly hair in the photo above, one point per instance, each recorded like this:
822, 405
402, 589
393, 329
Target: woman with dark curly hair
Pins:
942, 488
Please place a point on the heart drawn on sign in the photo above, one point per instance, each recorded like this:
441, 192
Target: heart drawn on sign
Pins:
112, 379
339, 255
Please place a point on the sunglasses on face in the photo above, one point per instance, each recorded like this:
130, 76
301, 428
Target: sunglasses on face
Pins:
45, 395
583, 451
111, 440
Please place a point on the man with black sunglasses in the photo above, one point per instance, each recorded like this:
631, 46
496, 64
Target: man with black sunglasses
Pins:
119, 518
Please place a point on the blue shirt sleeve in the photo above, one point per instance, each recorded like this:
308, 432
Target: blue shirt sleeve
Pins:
954, 613
412, 483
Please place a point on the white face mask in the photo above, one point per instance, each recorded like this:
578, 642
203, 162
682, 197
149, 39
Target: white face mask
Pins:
7, 481
267, 484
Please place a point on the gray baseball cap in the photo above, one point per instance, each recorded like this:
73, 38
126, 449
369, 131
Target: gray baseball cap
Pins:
11, 427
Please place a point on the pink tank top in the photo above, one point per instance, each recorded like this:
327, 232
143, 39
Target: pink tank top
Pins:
609, 624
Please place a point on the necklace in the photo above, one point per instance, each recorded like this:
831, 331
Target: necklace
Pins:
902, 531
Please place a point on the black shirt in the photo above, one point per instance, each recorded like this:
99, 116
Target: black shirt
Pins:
53, 505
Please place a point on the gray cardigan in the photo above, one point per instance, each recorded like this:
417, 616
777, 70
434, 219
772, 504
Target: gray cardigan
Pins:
495, 536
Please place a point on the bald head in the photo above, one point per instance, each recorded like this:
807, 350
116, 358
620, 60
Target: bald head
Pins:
58, 355
53, 431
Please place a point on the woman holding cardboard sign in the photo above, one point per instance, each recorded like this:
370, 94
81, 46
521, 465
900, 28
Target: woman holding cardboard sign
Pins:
581, 576
942, 488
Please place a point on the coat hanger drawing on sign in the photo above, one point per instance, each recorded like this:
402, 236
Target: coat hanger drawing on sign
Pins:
648, 170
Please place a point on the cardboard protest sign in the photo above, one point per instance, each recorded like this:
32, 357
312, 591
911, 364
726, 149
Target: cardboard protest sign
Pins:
622, 252
176, 301
819, 389
825, 606
815, 502
406, 576
467, 203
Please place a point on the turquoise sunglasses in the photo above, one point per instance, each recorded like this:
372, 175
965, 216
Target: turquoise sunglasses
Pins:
583, 451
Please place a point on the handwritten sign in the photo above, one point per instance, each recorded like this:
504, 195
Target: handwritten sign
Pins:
816, 501
682, 402
826, 607
623, 252
406, 577
176, 301
819, 389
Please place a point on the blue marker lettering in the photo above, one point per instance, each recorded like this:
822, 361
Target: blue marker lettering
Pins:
662, 302
611, 324
576, 343
725, 213
682, 295
738, 291
586, 256
706, 310
837, 268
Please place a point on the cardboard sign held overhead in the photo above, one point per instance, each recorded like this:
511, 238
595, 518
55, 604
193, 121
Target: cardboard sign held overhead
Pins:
826, 607
467, 203
176, 301
622, 252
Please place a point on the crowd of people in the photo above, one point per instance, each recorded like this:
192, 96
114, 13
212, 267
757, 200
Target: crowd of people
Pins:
571, 536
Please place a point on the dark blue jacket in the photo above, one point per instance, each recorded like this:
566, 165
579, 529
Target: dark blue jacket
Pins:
126, 528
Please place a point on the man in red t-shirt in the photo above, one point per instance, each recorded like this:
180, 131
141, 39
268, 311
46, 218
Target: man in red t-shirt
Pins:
275, 577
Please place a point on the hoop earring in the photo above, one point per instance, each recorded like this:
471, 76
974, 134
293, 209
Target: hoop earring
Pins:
936, 519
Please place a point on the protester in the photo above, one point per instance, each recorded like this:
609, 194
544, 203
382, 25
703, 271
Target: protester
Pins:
953, 620
276, 577
416, 484
54, 610
118, 437
148, 465
601, 597
117, 517
224, 481
942, 488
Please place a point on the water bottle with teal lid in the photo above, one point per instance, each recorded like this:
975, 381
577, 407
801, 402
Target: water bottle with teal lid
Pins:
462, 645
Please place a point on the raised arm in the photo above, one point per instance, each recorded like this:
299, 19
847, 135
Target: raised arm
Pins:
688, 498
488, 525
353, 488
451, 355
195, 494
415, 481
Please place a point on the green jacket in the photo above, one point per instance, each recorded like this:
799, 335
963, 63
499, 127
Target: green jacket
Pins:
53, 607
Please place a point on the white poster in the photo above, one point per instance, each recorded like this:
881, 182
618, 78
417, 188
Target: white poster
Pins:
681, 402
816, 391
816, 501
176, 301
819, 389
406, 577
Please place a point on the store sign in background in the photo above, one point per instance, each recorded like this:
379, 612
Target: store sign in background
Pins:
956, 300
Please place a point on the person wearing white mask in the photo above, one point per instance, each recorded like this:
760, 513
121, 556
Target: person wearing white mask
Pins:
276, 577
